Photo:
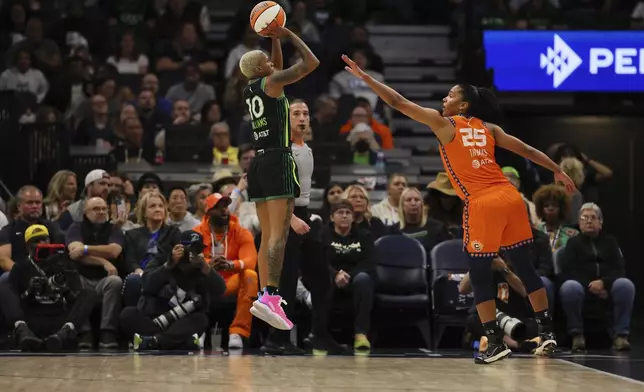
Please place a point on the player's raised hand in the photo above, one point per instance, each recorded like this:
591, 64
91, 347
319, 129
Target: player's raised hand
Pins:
278, 32
566, 181
353, 67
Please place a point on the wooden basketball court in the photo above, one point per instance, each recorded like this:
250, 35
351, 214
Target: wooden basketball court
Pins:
220, 372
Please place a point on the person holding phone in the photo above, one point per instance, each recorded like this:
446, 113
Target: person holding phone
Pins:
230, 250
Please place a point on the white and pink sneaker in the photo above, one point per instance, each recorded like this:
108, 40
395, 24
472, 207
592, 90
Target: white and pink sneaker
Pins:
269, 308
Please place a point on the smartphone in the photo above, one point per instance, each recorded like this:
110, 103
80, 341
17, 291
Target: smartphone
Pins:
120, 207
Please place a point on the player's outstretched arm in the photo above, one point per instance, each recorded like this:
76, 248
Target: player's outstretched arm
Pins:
278, 79
430, 117
517, 146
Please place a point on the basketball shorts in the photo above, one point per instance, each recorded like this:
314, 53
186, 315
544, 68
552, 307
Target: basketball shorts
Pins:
273, 175
495, 219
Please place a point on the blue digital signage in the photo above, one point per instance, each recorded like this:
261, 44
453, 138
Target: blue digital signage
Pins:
609, 61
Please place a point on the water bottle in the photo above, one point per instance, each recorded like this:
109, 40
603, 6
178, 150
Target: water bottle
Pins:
380, 161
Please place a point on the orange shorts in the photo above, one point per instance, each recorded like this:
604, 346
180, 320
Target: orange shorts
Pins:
495, 219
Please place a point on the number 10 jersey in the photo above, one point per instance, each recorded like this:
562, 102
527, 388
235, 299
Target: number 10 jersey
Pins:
269, 117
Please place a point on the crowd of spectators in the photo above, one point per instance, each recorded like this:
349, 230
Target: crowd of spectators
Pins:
141, 249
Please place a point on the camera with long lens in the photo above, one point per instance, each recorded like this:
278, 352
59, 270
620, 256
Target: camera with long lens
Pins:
58, 278
511, 326
178, 312
193, 247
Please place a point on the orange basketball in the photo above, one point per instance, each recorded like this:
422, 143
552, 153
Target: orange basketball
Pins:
265, 15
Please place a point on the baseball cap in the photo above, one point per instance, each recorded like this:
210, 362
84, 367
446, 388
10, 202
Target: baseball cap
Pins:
95, 175
511, 170
214, 199
36, 231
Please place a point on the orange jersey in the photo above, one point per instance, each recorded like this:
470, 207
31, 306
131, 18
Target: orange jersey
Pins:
469, 158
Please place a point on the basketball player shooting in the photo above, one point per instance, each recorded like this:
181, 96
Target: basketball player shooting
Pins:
494, 215
272, 178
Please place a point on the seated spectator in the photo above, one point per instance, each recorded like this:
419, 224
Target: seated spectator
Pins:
553, 207
97, 129
45, 51
124, 16
413, 221
13, 25
250, 41
363, 114
149, 182
343, 83
120, 206
359, 40
179, 215
12, 239
96, 245
105, 86
186, 50
192, 89
358, 196
235, 107
363, 145
230, 249
387, 210
592, 263
594, 172
44, 317
152, 117
445, 206
177, 12
127, 60
181, 112
96, 185
324, 122
350, 255
179, 276
575, 170
135, 147
61, 192
151, 82
145, 243
223, 153
210, 113
198, 194
332, 194
512, 175
224, 181
511, 301
245, 155
21, 77
309, 30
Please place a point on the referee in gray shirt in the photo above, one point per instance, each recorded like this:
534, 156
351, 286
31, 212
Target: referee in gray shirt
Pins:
304, 251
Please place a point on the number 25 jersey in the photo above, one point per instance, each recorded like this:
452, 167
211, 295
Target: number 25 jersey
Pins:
469, 158
269, 117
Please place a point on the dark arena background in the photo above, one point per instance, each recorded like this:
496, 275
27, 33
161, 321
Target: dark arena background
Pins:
105, 105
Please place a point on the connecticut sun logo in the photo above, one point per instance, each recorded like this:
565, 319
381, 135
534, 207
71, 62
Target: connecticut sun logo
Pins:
476, 245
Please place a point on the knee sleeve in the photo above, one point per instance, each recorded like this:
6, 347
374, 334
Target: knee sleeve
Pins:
521, 259
482, 279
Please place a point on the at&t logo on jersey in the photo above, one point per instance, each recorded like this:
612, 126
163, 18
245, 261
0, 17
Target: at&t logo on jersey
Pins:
566, 60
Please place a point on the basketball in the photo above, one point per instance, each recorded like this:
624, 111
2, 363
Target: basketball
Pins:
265, 15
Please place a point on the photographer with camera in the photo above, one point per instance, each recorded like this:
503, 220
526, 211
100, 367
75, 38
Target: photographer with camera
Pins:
43, 298
514, 313
178, 287
96, 245
230, 250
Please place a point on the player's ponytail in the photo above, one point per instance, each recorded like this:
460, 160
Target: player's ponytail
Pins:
483, 103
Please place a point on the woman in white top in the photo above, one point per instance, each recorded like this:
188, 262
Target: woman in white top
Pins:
127, 60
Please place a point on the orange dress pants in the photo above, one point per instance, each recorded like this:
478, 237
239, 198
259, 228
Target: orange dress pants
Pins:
244, 284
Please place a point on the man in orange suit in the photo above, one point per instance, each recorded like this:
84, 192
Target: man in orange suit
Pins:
230, 249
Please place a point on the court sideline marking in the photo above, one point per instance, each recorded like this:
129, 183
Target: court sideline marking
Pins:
631, 380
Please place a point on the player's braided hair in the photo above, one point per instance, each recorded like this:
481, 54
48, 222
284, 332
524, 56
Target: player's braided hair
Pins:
483, 103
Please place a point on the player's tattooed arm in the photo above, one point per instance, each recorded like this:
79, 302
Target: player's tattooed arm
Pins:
276, 54
308, 64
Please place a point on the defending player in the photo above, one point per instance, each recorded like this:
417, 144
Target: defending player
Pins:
272, 177
494, 216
